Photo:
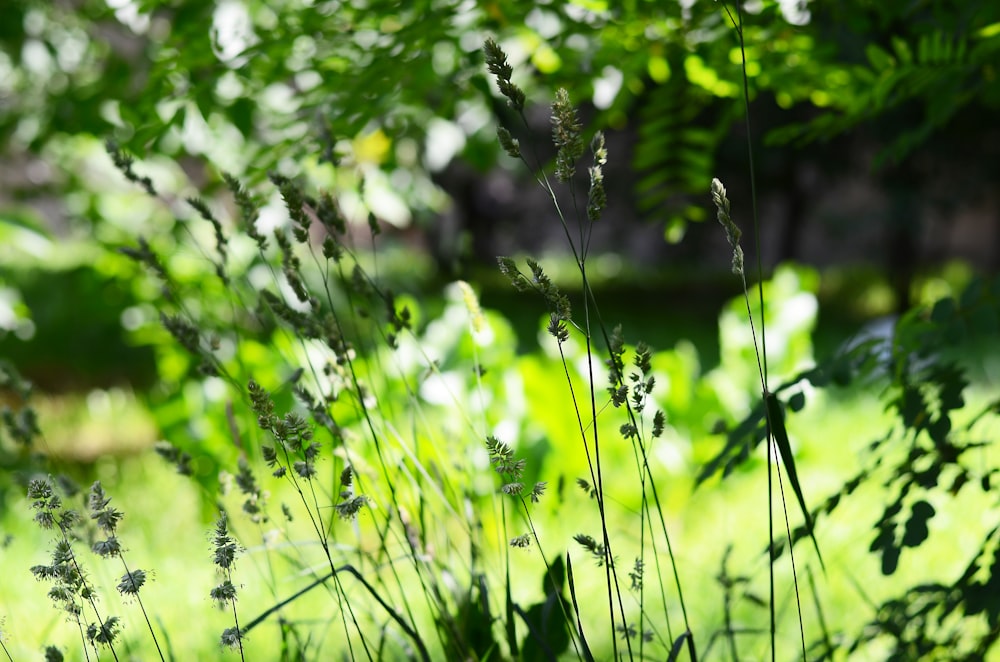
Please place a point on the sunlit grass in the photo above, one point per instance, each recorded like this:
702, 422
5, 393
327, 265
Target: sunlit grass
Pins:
167, 523
402, 489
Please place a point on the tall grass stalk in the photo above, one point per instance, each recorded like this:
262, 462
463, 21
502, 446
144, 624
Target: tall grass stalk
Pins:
322, 304
569, 143
292, 457
777, 437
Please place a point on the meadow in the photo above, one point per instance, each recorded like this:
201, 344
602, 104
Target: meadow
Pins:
341, 470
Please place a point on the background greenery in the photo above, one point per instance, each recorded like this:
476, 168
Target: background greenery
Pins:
371, 102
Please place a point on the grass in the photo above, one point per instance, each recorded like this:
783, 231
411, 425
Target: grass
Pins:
166, 535
704, 522
372, 487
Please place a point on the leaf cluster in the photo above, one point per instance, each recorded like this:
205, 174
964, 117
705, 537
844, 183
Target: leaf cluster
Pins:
925, 459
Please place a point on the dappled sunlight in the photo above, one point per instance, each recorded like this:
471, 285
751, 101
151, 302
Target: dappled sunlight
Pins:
380, 331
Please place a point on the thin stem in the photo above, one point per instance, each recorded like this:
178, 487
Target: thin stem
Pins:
579, 255
556, 589
239, 632
762, 357
351, 570
795, 574
142, 608
762, 354
92, 600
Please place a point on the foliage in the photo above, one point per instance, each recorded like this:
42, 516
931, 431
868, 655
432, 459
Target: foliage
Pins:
921, 66
370, 100
300, 313
353, 438
394, 91
927, 457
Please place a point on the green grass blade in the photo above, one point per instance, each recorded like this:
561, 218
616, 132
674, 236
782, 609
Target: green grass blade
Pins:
510, 629
776, 425
585, 649
678, 646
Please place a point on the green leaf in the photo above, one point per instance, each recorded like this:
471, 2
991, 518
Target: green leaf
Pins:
675, 650
972, 294
776, 425
939, 429
885, 542
890, 560
241, 113
840, 372
902, 50
548, 619
880, 59
21, 219
916, 527
953, 382
944, 310
511, 630
984, 321
954, 333
912, 408
585, 648
740, 440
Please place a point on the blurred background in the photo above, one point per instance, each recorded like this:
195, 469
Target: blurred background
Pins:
876, 157
875, 149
